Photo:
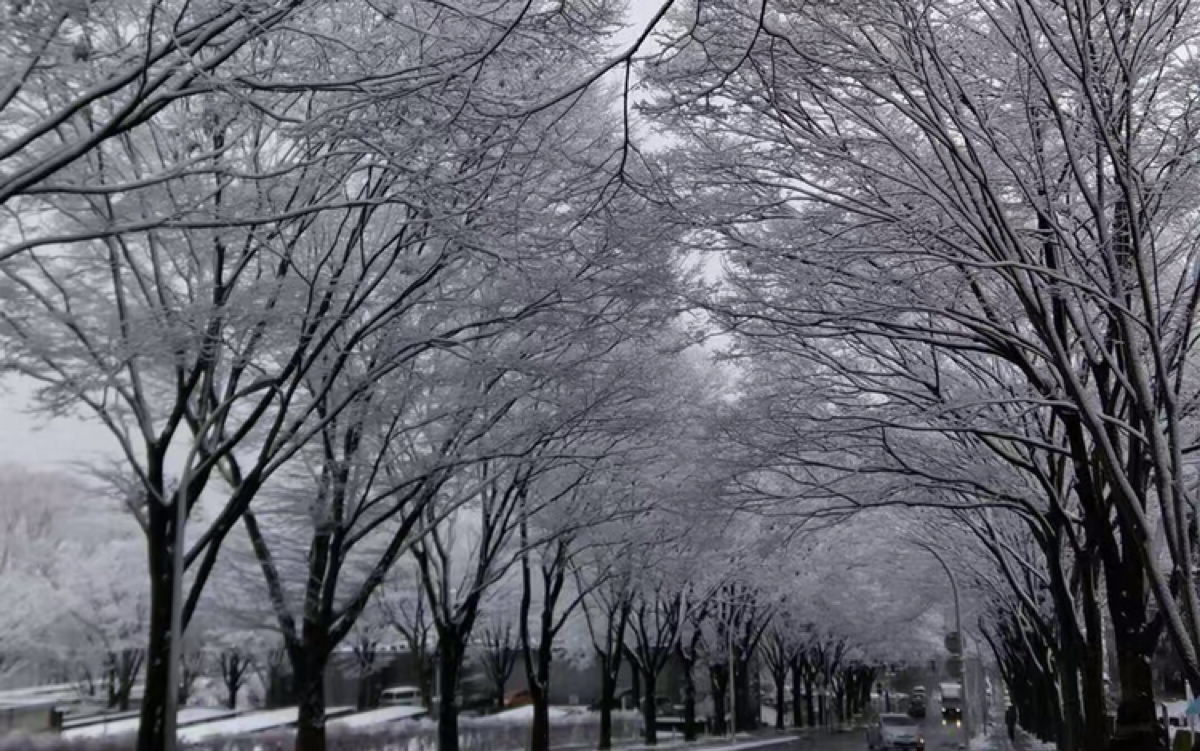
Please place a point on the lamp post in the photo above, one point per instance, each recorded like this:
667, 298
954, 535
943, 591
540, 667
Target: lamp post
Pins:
966, 722
732, 685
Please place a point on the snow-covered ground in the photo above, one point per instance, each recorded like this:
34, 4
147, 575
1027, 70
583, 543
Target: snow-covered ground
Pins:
381, 716
10, 694
39, 694
253, 722
130, 724
525, 714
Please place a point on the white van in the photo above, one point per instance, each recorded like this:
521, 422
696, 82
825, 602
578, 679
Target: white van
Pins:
401, 696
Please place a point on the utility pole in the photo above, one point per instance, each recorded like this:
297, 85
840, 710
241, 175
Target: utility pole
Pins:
732, 682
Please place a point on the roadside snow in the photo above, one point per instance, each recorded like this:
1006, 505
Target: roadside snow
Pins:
253, 722
10, 694
379, 716
130, 724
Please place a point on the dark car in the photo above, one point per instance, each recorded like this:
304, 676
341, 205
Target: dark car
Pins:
916, 707
951, 715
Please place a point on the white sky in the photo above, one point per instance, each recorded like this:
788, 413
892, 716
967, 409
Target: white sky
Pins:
32, 440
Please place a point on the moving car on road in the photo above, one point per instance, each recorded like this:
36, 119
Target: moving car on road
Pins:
951, 695
916, 706
895, 732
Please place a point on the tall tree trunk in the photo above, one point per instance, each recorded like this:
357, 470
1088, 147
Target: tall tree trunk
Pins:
426, 665
1070, 650
309, 668
650, 711
810, 705
689, 699
538, 676
635, 684
797, 698
1136, 639
539, 733
501, 687
743, 698
449, 666
231, 694
780, 699
608, 697
1136, 726
159, 544
719, 683
1095, 710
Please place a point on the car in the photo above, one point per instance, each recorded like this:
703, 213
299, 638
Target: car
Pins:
895, 732
401, 696
916, 706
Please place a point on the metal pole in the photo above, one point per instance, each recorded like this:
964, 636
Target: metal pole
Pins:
966, 723
176, 648
732, 689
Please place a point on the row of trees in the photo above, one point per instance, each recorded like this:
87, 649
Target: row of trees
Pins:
358, 283
960, 274
619, 590
343, 291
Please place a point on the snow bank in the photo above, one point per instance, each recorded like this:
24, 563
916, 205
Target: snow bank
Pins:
379, 716
129, 725
246, 724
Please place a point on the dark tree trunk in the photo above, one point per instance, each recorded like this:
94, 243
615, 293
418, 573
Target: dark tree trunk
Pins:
1068, 656
810, 705
743, 698
1136, 639
689, 700
1094, 710
449, 666
233, 674
650, 712
538, 676
159, 538
608, 697
501, 687
425, 670
309, 669
780, 700
635, 684
797, 698
1136, 726
539, 734
718, 679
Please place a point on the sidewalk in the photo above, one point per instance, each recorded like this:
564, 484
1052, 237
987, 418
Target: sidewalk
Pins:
997, 740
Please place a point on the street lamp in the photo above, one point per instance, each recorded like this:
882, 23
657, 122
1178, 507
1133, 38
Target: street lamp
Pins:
966, 722
732, 685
